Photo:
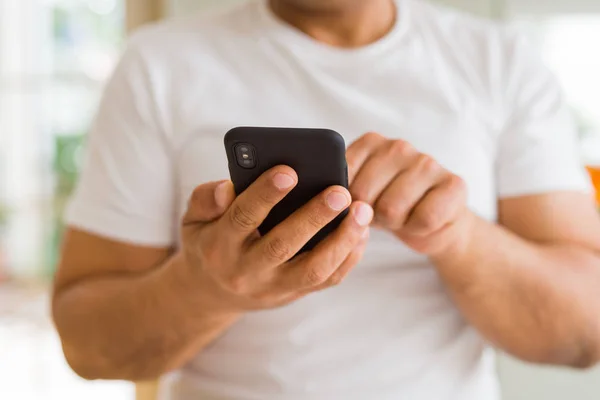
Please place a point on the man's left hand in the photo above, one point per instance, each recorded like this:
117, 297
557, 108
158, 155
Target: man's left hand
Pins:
414, 197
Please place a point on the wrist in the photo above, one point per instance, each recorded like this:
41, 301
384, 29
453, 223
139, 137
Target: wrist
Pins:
201, 292
459, 240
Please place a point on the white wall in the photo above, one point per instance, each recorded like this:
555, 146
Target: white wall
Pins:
548, 7
525, 382
176, 7
519, 381
481, 7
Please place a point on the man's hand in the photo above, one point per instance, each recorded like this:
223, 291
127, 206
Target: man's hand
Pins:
134, 313
243, 271
414, 197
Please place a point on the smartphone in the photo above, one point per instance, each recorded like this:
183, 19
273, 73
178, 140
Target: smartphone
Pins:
317, 155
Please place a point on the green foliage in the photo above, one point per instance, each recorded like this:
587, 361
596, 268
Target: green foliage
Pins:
67, 161
67, 164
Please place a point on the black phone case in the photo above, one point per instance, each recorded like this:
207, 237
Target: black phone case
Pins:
317, 155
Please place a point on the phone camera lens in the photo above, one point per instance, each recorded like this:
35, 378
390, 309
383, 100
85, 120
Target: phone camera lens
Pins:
245, 155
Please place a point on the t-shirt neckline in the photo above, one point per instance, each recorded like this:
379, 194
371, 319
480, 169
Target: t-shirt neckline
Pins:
315, 49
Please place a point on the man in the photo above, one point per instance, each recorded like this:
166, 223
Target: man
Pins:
468, 207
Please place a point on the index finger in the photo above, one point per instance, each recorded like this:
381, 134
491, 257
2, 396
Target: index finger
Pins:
290, 236
359, 151
251, 207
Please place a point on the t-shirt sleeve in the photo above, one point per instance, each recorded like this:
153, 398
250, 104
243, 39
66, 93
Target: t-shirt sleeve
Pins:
125, 191
538, 149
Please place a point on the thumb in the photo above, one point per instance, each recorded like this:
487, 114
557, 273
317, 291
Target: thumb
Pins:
209, 202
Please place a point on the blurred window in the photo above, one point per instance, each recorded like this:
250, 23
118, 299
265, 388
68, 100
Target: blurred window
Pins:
569, 45
55, 56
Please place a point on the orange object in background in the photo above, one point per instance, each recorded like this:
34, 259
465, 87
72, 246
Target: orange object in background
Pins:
595, 174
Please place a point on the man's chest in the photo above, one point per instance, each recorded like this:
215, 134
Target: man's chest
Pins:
435, 123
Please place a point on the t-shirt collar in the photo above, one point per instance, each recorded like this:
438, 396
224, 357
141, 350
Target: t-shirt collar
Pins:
297, 40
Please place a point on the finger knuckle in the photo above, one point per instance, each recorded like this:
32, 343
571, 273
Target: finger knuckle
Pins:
457, 183
316, 219
347, 239
373, 137
315, 276
236, 284
401, 148
268, 196
427, 164
242, 217
429, 219
277, 250
336, 279
390, 211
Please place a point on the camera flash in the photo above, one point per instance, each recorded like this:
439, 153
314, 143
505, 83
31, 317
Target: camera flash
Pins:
245, 156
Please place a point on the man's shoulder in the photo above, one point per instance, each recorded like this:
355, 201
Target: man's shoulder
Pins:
450, 19
466, 36
460, 27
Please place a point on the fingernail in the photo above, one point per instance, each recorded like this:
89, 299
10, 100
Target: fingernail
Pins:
338, 201
283, 181
222, 194
363, 215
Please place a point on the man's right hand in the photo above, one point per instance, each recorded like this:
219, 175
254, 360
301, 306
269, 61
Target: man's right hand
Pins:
242, 271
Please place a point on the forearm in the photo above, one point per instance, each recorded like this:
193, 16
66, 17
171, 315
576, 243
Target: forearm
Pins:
136, 326
540, 302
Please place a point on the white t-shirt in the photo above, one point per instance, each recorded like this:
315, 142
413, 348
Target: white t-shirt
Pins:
468, 92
